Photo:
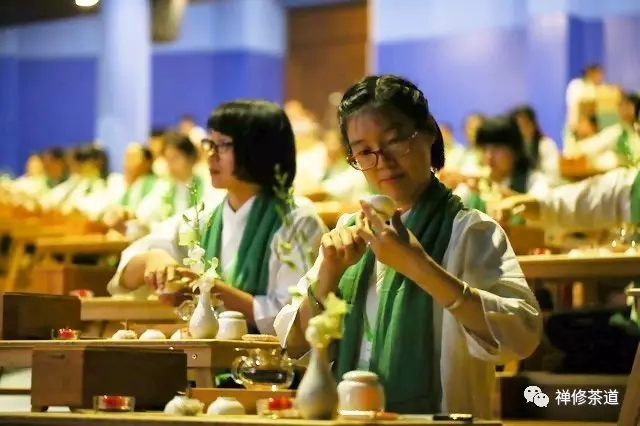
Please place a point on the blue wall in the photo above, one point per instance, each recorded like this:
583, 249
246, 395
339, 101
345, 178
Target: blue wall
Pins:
491, 55
49, 73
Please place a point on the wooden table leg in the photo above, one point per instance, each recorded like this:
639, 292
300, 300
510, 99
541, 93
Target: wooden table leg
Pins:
204, 377
630, 410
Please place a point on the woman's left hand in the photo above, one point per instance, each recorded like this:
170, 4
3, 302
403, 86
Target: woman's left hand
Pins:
393, 244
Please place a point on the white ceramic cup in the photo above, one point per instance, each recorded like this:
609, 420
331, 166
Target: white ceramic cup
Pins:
232, 326
360, 391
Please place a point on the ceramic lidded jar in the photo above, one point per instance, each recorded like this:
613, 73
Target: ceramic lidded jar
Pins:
183, 405
360, 391
232, 326
226, 406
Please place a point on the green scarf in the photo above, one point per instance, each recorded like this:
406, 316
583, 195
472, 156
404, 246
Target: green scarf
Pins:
623, 149
250, 268
148, 182
403, 337
518, 184
170, 196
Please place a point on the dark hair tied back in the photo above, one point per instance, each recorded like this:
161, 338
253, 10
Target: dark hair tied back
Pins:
381, 92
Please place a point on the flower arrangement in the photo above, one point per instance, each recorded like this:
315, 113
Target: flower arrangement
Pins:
284, 248
327, 326
190, 238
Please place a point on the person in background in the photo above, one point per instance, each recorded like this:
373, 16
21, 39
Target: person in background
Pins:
542, 150
454, 152
76, 192
595, 340
34, 180
120, 203
248, 141
188, 127
55, 166
510, 170
436, 295
586, 127
581, 93
618, 144
156, 146
175, 195
340, 181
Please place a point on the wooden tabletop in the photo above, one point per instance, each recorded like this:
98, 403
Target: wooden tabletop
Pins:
91, 244
561, 266
201, 353
153, 419
114, 309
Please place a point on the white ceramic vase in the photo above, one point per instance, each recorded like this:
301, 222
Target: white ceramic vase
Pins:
203, 323
317, 395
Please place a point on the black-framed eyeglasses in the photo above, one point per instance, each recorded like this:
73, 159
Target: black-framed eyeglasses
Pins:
368, 159
210, 147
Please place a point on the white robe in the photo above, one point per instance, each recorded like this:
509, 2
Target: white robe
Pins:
281, 275
479, 254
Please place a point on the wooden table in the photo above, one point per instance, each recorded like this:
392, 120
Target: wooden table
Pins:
202, 355
102, 316
562, 266
630, 409
154, 419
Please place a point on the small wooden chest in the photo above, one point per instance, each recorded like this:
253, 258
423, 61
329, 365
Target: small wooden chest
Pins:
31, 316
71, 377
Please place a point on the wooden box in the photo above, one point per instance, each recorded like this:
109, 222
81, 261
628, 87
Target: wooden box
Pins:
72, 376
58, 278
29, 316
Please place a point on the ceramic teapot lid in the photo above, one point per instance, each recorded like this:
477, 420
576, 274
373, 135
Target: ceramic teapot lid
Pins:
231, 315
360, 376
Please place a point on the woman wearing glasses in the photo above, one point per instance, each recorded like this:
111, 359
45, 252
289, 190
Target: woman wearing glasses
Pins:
437, 295
249, 140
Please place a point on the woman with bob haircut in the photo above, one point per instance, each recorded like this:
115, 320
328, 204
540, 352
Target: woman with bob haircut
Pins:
249, 140
437, 297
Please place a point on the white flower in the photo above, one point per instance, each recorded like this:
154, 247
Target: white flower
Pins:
211, 274
197, 267
196, 252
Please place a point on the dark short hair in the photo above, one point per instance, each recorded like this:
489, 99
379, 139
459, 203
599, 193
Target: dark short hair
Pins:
87, 152
157, 132
182, 144
263, 141
56, 153
504, 131
634, 98
591, 68
390, 91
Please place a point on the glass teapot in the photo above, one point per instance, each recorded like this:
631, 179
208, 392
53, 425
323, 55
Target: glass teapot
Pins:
263, 369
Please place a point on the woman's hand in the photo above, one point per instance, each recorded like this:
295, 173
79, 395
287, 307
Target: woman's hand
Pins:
163, 274
342, 247
522, 205
393, 244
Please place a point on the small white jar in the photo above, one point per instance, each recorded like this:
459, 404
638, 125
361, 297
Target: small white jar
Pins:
226, 406
360, 391
232, 326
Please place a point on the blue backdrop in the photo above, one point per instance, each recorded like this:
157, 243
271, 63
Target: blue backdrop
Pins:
491, 55
485, 55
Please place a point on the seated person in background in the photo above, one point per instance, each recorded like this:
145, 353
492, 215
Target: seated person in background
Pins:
543, 152
33, 182
340, 181
602, 340
248, 142
470, 164
75, 193
510, 170
586, 127
436, 295
175, 193
156, 146
454, 152
616, 145
121, 201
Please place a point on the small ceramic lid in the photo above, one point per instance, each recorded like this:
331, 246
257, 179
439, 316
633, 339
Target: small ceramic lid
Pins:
231, 314
360, 376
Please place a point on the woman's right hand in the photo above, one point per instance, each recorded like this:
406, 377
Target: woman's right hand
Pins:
522, 205
162, 269
342, 248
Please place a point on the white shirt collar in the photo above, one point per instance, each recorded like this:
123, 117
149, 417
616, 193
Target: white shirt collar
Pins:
238, 217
